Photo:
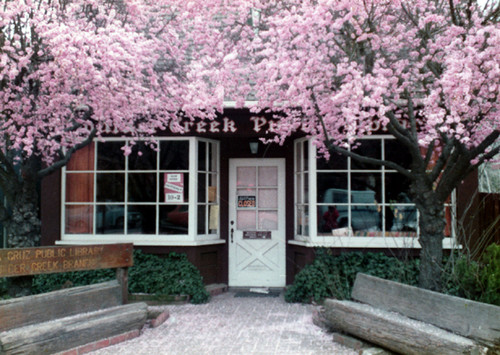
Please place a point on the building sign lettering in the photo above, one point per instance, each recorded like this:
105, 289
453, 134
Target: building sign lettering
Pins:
32, 261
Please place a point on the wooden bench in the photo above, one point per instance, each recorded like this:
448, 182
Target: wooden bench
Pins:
66, 319
412, 320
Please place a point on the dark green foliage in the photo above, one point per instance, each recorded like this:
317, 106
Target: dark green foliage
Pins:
172, 275
476, 280
50, 282
333, 276
3, 287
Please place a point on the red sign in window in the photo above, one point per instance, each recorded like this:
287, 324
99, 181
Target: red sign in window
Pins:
174, 187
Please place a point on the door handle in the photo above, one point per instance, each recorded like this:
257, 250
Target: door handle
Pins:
232, 231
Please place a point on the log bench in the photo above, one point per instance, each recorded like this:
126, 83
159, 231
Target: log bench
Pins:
411, 320
69, 318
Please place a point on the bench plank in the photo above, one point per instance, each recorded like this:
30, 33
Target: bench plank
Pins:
471, 319
27, 310
395, 332
70, 332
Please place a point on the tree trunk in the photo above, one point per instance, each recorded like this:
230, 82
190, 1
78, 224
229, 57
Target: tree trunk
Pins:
432, 224
23, 227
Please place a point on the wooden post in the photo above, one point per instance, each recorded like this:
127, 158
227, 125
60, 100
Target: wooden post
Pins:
122, 277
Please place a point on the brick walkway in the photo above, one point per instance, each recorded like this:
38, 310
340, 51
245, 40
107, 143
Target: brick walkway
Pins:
229, 325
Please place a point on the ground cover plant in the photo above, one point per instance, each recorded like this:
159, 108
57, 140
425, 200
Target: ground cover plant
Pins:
151, 274
331, 276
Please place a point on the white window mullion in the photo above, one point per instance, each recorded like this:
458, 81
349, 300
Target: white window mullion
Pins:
312, 203
193, 191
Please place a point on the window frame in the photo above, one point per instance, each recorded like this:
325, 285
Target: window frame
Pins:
315, 239
192, 238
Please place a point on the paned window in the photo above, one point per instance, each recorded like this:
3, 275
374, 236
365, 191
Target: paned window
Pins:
156, 192
352, 198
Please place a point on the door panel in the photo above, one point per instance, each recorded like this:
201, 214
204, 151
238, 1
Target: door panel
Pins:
257, 222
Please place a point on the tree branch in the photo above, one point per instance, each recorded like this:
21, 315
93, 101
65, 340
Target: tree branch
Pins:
67, 156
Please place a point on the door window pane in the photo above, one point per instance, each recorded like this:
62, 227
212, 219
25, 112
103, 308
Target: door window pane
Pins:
245, 220
268, 198
268, 220
246, 176
268, 176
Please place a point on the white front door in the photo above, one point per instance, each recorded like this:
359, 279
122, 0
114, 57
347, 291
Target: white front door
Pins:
257, 222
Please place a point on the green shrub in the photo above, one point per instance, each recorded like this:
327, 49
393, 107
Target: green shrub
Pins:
3, 287
476, 280
171, 275
333, 276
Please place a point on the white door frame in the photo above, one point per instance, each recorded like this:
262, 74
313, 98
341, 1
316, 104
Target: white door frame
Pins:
257, 262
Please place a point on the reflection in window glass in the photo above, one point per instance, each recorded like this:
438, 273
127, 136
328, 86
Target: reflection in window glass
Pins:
368, 203
78, 219
174, 155
141, 219
110, 219
142, 187
174, 219
370, 148
110, 156
110, 187
142, 157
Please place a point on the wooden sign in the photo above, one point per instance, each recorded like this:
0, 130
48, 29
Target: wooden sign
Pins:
45, 260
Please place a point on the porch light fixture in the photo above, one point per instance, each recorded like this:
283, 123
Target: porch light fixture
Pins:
254, 147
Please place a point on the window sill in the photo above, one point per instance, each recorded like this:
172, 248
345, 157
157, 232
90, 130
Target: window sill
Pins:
86, 240
368, 242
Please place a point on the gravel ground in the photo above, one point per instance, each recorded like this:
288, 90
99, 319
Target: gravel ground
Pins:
229, 325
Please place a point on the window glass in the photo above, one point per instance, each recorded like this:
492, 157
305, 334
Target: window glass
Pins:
369, 203
110, 219
144, 193
174, 155
202, 219
332, 187
110, 156
142, 157
142, 187
365, 218
371, 148
110, 187
79, 219
174, 219
202, 156
336, 162
397, 153
141, 219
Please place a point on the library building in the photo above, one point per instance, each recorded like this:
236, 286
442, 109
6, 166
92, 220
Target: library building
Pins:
247, 213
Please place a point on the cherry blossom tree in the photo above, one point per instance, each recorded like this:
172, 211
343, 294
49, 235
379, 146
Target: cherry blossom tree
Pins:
74, 70
426, 72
